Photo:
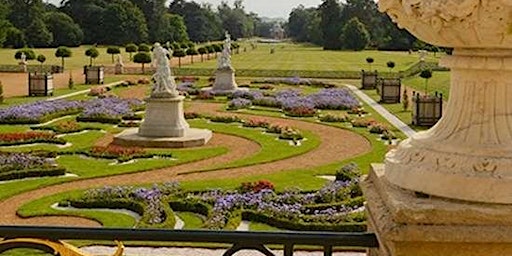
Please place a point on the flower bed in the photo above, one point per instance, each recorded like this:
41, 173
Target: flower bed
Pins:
291, 134
239, 103
294, 81
109, 110
225, 119
255, 123
362, 122
334, 118
39, 112
65, 127
21, 138
25, 165
120, 153
188, 88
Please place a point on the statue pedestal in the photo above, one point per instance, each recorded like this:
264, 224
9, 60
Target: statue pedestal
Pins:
410, 225
164, 127
225, 80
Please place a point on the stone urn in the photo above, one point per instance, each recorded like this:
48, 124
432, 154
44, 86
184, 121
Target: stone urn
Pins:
467, 155
448, 190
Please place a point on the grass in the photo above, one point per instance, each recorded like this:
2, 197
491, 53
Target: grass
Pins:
192, 220
299, 57
439, 82
25, 252
256, 226
272, 149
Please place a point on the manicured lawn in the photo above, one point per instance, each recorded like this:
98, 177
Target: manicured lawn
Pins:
300, 57
192, 220
439, 82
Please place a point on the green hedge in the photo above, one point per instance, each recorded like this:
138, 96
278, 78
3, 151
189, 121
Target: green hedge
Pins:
104, 120
129, 204
188, 206
58, 141
272, 73
58, 130
302, 226
21, 174
116, 157
351, 202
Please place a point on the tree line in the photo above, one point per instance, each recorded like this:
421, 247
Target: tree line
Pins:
34, 23
352, 25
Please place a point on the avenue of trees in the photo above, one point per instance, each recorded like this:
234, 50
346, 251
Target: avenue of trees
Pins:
34, 23
351, 25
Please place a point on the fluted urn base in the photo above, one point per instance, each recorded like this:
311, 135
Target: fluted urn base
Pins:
468, 154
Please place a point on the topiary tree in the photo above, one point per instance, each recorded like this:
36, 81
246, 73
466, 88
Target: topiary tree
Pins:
131, 48
175, 45
92, 53
183, 45
179, 53
390, 65
218, 48
113, 50
211, 49
142, 58
370, 60
144, 48
202, 51
426, 74
192, 52
41, 59
63, 52
29, 54
236, 47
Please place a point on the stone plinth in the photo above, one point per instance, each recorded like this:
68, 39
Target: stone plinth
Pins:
225, 80
407, 224
164, 127
164, 118
191, 138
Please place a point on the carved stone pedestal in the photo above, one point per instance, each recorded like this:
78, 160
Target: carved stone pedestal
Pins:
164, 127
411, 225
225, 80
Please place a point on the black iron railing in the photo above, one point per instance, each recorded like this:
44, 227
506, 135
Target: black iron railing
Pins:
238, 239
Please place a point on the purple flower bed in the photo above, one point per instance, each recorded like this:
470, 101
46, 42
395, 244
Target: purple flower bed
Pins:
23, 161
38, 112
239, 103
109, 108
188, 87
250, 95
338, 99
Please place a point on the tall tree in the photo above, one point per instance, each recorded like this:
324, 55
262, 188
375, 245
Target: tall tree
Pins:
330, 24
235, 20
65, 31
354, 35
123, 22
202, 23
154, 13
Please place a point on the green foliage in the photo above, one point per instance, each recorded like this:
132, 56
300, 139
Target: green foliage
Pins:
354, 35
38, 35
330, 12
142, 58
64, 30
390, 65
426, 74
113, 50
179, 53
92, 53
63, 52
29, 54
203, 24
15, 38
192, 51
41, 58
144, 48
123, 22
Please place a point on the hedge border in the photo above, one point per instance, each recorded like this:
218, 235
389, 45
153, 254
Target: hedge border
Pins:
32, 173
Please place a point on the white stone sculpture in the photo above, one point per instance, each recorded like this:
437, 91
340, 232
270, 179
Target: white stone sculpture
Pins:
23, 58
164, 85
224, 61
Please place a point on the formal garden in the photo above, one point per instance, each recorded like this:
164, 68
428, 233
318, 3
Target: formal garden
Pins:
287, 151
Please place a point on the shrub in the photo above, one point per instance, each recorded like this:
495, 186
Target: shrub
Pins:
142, 58
329, 118
225, 119
256, 186
239, 103
205, 95
192, 115
29, 54
255, 123
289, 133
378, 128
92, 53
273, 128
348, 172
20, 138
144, 48
357, 111
113, 50
267, 102
362, 122
131, 48
117, 152
388, 135
97, 91
300, 111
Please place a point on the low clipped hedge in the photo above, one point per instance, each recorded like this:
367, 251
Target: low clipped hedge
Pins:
58, 141
103, 120
188, 206
58, 130
302, 226
119, 158
22, 174
128, 204
351, 202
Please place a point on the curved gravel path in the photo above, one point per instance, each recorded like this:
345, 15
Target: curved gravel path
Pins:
336, 145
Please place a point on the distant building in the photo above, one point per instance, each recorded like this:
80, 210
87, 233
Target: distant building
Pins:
277, 32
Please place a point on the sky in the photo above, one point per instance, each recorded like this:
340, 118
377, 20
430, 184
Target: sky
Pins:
264, 8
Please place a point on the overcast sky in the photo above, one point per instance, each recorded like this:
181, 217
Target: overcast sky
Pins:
264, 8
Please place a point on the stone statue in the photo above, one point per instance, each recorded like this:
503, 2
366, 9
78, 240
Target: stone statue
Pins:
163, 81
23, 58
225, 58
